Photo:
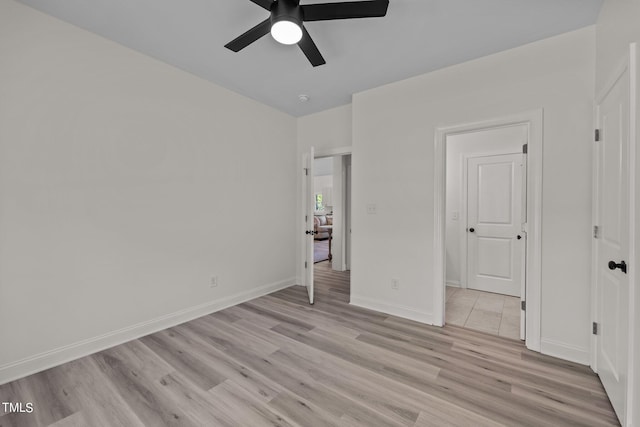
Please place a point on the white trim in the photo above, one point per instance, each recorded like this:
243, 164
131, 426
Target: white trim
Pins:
439, 227
565, 351
633, 310
534, 121
318, 154
463, 220
39, 362
393, 309
330, 152
595, 220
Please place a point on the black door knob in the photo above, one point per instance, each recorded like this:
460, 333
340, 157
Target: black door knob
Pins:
471, 230
519, 237
310, 232
622, 266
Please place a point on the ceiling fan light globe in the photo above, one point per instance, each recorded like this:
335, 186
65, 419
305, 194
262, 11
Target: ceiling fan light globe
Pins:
286, 32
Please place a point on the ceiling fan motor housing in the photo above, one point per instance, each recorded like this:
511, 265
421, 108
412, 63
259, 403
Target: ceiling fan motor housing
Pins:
286, 10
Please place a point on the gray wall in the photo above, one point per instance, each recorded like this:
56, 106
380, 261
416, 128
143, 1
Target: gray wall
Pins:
125, 185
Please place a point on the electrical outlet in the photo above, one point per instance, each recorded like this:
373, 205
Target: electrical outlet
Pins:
395, 284
214, 281
372, 209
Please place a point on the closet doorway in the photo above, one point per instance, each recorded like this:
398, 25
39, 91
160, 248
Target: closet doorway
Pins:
487, 210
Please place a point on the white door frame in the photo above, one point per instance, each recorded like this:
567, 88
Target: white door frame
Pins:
534, 121
308, 203
630, 63
338, 151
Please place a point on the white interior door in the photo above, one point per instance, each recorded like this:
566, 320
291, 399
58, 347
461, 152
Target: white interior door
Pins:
612, 244
495, 241
309, 209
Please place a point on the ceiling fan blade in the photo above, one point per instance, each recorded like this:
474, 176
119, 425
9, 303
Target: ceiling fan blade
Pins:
345, 10
263, 3
310, 49
250, 36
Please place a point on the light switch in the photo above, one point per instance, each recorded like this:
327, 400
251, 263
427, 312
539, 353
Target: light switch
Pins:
454, 216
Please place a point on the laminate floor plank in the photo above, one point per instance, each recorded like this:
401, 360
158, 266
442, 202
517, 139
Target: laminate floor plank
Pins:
77, 419
246, 378
303, 412
145, 396
250, 316
233, 401
353, 382
317, 319
201, 408
278, 361
94, 395
168, 347
298, 381
445, 417
501, 375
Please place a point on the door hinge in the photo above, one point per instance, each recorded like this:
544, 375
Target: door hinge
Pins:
596, 232
306, 171
523, 305
305, 264
525, 148
306, 218
596, 135
594, 328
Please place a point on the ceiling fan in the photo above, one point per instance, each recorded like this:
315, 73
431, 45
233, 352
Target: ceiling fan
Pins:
287, 16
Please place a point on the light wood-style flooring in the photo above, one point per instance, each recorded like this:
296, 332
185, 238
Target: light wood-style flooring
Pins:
277, 361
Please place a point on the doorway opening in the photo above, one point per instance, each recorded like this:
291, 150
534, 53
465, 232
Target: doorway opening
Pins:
487, 227
485, 237
328, 225
323, 209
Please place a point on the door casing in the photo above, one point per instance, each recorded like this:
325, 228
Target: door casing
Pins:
302, 241
533, 121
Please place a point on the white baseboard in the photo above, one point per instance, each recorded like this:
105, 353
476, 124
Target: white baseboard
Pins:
60, 355
396, 310
454, 283
565, 351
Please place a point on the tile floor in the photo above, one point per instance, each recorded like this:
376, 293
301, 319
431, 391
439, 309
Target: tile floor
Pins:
483, 311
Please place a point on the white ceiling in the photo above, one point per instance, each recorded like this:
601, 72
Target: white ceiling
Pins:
416, 36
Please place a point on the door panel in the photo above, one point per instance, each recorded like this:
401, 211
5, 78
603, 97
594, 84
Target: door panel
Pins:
495, 185
495, 257
610, 296
613, 243
494, 222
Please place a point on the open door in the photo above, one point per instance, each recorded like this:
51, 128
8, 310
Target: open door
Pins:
523, 254
308, 210
612, 242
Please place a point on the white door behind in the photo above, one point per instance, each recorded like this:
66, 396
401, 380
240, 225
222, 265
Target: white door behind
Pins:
612, 244
495, 242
